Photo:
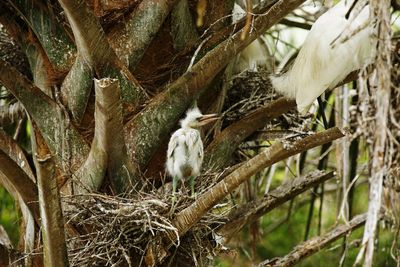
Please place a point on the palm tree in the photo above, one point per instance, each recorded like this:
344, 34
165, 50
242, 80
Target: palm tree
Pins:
92, 91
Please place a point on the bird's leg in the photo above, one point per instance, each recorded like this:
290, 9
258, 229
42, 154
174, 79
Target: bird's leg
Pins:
322, 112
174, 184
192, 183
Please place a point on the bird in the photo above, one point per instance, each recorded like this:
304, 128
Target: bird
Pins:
326, 58
185, 149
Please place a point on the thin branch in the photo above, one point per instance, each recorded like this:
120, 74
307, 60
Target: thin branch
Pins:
380, 13
251, 211
315, 244
220, 151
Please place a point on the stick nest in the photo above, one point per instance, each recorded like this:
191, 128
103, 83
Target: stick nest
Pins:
119, 230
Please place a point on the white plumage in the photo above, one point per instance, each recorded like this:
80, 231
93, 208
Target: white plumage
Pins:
185, 148
324, 61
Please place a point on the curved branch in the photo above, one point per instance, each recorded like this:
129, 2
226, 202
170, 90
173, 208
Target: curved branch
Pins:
160, 116
315, 244
58, 46
94, 48
108, 151
219, 152
251, 211
46, 114
131, 38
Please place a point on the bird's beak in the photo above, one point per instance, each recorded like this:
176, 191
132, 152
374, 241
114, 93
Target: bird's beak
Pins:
206, 119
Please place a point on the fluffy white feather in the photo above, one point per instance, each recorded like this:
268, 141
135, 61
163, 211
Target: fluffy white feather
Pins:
321, 66
185, 148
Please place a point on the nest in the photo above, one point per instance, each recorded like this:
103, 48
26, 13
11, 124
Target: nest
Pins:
251, 90
112, 230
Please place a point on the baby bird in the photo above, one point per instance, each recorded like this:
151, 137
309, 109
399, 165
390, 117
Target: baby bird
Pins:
185, 149
325, 60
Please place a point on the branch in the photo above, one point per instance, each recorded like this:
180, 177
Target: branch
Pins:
380, 12
58, 46
108, 149
52, 226
186, 218
277, 152
183, 29
161, 115
315, 244
131, 37
94, 48
219, 152
251, 211
47, 116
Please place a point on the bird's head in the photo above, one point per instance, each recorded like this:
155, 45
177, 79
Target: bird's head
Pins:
194, 119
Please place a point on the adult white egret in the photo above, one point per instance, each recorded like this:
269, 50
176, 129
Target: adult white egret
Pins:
185, 149
326, 57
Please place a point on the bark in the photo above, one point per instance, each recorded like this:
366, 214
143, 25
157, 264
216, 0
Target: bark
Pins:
56, 43
52, 224
183, 29
220, 151
151, 126
253, 210
94, 49
380, 11
131, 38
108, 151
315, 244
76, 88
48, 116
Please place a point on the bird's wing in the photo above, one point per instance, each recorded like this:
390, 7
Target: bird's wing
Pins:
173, 143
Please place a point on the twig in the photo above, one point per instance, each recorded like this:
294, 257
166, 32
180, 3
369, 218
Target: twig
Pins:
315, 244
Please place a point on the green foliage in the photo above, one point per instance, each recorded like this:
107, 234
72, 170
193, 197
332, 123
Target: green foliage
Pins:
9, 217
